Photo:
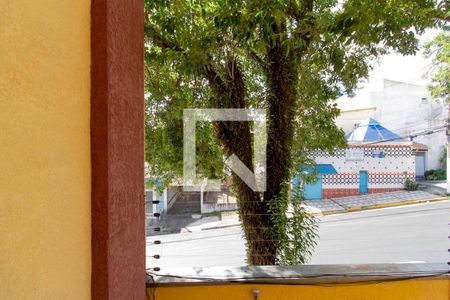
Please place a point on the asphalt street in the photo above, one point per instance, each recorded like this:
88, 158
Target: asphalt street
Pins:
413, 233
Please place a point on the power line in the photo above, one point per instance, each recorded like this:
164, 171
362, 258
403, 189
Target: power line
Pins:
427, 132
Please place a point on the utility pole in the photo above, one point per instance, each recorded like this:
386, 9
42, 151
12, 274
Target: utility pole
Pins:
448, 148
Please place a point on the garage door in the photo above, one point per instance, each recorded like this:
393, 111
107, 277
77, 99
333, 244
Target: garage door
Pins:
420, 165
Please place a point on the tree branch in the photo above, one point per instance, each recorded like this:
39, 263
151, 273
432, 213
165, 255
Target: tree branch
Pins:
161, 41
300, 15
252, 54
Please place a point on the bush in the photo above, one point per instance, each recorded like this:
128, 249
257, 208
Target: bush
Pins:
438, 174
411, 185
443, 158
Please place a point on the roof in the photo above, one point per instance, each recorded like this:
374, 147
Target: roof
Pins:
371, 130
394, 144
419, 146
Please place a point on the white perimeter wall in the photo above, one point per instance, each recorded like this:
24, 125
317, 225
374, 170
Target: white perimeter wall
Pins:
386, 172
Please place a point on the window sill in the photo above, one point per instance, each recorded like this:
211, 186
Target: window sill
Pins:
298, 275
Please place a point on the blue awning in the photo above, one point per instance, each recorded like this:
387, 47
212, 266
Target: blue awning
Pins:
325, 168
321, 169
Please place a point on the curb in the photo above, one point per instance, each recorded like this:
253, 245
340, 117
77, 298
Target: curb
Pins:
354, 209
384, 205
219, 227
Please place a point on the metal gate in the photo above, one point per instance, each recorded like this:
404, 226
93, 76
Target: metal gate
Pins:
313, 191
363, 182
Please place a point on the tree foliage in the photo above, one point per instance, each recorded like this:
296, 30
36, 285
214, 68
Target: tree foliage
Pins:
290, 57
438, 49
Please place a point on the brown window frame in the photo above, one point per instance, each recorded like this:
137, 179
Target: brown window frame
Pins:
117, 149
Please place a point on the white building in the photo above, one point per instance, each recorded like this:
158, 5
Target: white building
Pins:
405, 108
377, 161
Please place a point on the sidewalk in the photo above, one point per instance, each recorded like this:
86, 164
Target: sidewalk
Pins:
438, 187
349, 204
363, 202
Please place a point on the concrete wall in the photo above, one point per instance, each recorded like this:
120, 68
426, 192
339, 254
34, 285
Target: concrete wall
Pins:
401, 290
437, 143
219, 201
45, 183
217, 207
400, 108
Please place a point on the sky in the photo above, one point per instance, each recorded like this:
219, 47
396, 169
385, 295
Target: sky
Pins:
393, 66
397, 67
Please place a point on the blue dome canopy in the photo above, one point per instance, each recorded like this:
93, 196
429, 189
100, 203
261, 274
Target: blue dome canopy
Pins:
371, 130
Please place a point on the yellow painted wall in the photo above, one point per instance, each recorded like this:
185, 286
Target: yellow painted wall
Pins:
348, 119
45, 249
402, 290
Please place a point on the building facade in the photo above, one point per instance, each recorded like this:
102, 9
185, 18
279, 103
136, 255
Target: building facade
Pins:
376, 161
407, 109
365, 169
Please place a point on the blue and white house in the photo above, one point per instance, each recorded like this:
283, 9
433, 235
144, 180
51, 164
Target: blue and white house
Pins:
377, 160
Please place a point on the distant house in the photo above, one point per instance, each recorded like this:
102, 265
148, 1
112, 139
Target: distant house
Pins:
155, 199
405, 108
173, 200
377, 160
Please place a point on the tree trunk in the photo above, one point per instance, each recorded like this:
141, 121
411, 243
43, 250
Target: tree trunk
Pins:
282, 81
254, 209
236, 139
